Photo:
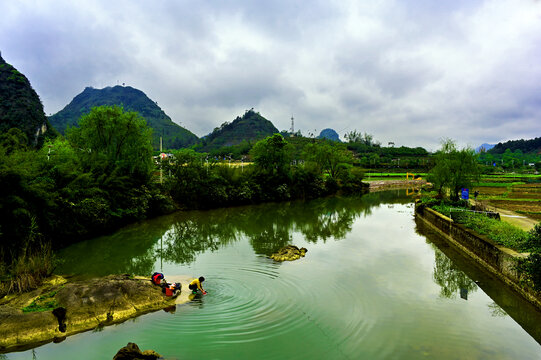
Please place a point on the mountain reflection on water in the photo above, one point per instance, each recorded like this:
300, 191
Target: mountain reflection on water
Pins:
178, 238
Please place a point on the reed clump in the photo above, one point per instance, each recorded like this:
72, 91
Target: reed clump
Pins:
27, 271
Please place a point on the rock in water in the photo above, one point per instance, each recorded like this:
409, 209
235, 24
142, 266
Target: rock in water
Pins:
289, 253
132, 352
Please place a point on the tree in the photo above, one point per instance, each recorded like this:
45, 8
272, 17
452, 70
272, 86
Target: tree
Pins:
13, 140
454, 169
358, 137
329, 157
110, 138
271, 154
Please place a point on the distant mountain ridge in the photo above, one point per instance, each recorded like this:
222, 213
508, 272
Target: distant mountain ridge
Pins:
526, 146
250, 127
20, 106
174, 135
484, 146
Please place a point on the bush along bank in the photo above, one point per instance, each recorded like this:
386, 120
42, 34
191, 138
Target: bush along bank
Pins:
514, 255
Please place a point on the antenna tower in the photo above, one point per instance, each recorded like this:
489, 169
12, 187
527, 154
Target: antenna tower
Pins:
292, 125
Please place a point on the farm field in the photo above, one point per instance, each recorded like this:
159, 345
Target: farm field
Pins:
520, 194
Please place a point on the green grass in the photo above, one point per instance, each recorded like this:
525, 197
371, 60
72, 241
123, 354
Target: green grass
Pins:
528, 212
497, 184
45, 302
443, 209
500, 232
512, 176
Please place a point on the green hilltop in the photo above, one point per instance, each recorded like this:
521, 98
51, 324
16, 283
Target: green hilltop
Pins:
131, 99
526, 146
250, 127
20, 106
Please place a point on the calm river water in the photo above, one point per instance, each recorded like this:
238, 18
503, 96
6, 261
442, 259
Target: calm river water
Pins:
375, 284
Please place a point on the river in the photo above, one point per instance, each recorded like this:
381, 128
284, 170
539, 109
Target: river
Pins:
375, 284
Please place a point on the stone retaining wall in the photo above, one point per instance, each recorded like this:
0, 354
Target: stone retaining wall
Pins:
497, 259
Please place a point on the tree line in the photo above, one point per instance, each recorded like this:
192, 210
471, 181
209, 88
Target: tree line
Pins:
101, 175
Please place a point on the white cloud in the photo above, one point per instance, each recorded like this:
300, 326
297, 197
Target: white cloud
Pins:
408, 72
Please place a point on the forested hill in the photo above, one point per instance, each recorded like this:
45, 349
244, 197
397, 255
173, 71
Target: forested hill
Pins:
526, 146
174, 135
250, 127
20, 106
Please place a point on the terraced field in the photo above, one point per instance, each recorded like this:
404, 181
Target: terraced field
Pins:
509, 194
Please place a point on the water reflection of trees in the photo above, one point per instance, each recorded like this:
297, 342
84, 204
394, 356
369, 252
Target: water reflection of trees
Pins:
187, 237
496, 310
269, 226
451, 280
180, 237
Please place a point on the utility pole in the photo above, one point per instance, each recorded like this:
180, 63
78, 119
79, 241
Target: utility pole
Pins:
161, 161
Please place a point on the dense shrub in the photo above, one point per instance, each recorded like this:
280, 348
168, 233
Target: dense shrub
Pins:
351, 181
531, 267
534, 242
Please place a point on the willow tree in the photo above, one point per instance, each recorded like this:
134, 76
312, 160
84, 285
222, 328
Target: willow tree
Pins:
110, 138
454, 169
330, 158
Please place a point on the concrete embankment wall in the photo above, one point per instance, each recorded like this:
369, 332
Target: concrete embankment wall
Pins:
495, 258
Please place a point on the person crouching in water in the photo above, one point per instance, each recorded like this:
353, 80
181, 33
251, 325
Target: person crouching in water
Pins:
196, 285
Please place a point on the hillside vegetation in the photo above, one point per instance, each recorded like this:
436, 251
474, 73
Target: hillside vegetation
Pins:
20, 106
174, 136
526, 146
249, 128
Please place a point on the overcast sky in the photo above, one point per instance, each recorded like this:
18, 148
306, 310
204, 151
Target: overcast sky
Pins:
411, 72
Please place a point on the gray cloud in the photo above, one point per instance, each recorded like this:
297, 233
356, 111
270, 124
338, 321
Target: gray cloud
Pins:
408, 72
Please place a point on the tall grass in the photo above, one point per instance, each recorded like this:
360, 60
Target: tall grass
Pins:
27, 271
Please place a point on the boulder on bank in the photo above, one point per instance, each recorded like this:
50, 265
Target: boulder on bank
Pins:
132, 352
58, 309
289, 253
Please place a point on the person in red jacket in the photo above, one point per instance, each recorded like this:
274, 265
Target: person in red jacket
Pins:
157, 278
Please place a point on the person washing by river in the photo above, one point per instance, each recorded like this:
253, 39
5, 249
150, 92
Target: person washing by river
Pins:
157, 278
195, 285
